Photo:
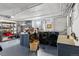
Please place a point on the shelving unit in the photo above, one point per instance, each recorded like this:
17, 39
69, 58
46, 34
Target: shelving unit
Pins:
7, 29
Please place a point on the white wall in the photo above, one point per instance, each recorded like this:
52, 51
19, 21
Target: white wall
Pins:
75, 19
59, 24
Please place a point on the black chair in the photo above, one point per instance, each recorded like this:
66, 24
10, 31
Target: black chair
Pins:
53, 36
48, 38
43, 37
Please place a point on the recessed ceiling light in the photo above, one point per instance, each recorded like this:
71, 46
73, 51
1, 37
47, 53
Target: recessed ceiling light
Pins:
12, 16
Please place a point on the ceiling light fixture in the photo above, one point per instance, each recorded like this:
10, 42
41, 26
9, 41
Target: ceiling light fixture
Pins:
12, 16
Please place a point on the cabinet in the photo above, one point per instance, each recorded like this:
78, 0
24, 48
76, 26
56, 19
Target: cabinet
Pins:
24, 39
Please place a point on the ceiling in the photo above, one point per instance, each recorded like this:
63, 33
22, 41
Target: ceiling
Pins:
14, 8
23, 11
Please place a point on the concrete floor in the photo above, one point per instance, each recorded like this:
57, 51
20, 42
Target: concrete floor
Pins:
46, 50
13, 48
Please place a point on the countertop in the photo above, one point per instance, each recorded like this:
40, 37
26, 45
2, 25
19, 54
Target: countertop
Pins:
63, 39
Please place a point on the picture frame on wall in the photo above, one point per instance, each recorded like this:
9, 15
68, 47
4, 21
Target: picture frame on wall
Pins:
49, 26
